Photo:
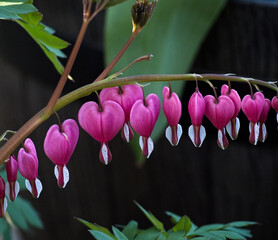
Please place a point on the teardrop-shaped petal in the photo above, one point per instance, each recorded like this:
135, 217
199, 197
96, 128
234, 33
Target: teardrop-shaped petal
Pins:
105, 155
125, 95
28, 160
12, 190
197, 134
102, 125
3, 207
127, 133
34, 187
62, 175
196, 108
222, 140
11, 169
274, 104
262, 133
144, 116
219, 111
172, 107
173, 134
233, 95
254, 129
233, 128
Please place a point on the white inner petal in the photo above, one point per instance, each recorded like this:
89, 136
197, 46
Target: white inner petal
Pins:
28, 185
38, 187
66, 175
16, 188
104, 152
191, 134
141, 142
237, 125
277, 117
179, 133
5, 205
220, 139
264, 132
202, 134
229, 130
56, 172
256, 132
126, 132
7, 189
150, 147
250, 127
168, 134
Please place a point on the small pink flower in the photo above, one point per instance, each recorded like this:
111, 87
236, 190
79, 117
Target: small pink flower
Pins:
126, 96
102, 123
252, 108
143, 116
12, 186
28, 167
274, 104
262, 120
220, 111
234, 124
59, 145
172, 109
196, 109
3, 200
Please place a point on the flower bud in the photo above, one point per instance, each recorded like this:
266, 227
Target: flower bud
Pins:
262, 120
12, 186
3, 200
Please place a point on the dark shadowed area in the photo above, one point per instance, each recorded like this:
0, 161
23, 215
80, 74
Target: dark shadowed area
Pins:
207, 184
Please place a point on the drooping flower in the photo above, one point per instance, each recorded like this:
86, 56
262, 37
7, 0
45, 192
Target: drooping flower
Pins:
28, 167
220, 111
234, 124
102, 122
12, 186
143, 116
252, 108
196, 109
274, 104
126, 96
59, 145
3, 200
262, 120
172, 109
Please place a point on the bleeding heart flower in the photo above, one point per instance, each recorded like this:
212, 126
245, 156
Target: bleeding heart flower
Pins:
274, 104
196, 109
143, 116
220, 111
172, 109
252, 108
3, 200
234, 124
262, 120
12, 186
59, 145
28, 167
102, 122
126, 96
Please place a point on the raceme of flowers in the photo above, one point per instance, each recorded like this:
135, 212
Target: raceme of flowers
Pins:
125, 108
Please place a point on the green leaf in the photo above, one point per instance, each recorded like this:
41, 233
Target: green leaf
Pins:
29, 213
243, 232
209, 227
149, 234
3, 225
96, 228
228, 234
212, 236
241, 223
10, 10
174, 217
130, 229
118, 234
201, 238
100, 235
152, 218
173, 35
114, 2
184, 224
17, 216
176, 235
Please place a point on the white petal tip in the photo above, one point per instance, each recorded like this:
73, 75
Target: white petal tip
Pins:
38, 186
220, 139
168, 134
126, 132
191, 134
104, 152
150, 147
66, 175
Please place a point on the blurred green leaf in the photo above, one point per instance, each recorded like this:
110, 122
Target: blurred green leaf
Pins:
209, 227
130, 229
96, 227
174, 217
118, 234
11, 10
229, 235
100, 235
174, 35
152, 218
114, 2
184, 224
242, 223
3, 225
176, 235
243, 232
148, 234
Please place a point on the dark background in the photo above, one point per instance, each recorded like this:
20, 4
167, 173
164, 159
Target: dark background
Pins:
208, 184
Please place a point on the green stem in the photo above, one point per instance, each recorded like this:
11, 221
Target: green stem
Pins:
86, 90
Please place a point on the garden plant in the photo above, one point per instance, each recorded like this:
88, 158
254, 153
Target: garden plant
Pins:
123, 106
